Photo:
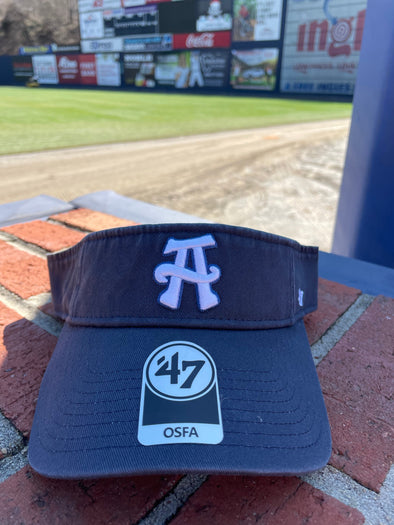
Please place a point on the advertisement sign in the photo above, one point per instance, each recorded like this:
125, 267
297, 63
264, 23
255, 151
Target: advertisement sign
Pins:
44, 68
170, 68
91, 5
254, 68
139, 70
189, 69
22, 68
202, 40
142, 20
91, 25
257, 20
148, 43
133, 3
214, 15
72, 48
322, 45
68, 69
103, 45
87, 69
108, 69
214, 64
35, 50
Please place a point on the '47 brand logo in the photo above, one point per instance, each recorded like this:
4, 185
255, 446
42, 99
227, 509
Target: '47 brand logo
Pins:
179, 397
176, 274
180, 371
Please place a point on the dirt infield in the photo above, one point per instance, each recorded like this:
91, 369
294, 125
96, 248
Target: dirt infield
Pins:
282, 179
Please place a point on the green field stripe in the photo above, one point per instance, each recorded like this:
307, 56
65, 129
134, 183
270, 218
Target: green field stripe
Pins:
42, 119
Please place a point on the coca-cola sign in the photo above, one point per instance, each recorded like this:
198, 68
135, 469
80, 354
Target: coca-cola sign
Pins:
202, 40
208, 39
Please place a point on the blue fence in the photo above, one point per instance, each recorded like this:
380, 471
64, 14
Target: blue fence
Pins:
6, 72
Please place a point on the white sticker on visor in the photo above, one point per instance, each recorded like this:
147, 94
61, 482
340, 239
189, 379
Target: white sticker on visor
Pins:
179, 397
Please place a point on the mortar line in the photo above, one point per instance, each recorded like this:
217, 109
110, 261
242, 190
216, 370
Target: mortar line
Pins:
30, 312
69, 226
168, 507
377, 508
25, 246
336, 331
11, 438
10, 465
39, 300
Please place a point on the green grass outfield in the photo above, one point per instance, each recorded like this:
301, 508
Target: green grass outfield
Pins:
42, 119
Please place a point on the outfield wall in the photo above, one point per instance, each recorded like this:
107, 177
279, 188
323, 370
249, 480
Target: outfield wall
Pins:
262, 46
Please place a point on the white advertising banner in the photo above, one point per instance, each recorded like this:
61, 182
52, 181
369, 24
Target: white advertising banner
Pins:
133, 3
103, 45
91, 25
92, 5
322, 45
45, 69
108, 69
257, 20
268, 20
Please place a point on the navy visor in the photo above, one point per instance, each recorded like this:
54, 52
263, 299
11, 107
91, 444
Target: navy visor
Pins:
183, 350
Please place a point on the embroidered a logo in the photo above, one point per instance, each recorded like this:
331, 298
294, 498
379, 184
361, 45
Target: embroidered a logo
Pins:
177, 273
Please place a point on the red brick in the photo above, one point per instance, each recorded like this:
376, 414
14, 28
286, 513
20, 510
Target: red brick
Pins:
91, 220
357, 381
269, 501
25, 350
28, 498
50, 237
334, 300
7, 316
21, 272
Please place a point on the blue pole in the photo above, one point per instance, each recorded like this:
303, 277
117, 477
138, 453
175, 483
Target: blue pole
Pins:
365, 218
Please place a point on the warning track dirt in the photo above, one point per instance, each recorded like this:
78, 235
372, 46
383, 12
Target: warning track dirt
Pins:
283, 179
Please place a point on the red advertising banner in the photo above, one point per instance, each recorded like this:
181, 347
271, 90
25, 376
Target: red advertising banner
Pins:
208, 39
87, 69
68, 69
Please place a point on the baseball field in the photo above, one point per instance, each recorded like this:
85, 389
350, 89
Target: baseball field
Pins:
42, 119
269, 164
